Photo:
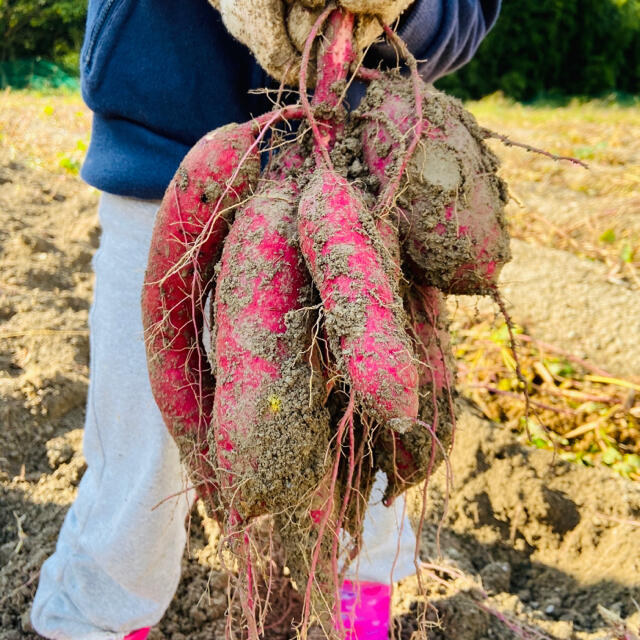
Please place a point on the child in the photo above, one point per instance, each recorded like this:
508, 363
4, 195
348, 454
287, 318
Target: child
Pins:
158, 74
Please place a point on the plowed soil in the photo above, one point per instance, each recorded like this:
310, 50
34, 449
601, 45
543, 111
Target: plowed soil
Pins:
528, 547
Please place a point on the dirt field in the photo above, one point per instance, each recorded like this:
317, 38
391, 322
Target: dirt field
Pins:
530, 546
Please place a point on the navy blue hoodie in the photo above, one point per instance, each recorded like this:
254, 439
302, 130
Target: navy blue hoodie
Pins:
159, 74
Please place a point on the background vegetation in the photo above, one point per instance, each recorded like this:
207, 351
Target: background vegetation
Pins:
575, 47
50, 29
40, 42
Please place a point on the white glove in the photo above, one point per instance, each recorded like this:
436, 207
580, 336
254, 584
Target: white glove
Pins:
261, 25
276, 30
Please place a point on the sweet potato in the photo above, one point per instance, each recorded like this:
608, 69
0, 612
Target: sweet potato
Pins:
363, 313
270, 430
187, 239
409, 458
290, 430
451, 199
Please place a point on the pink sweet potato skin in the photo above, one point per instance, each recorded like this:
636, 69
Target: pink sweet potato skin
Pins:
409, 458
209, 180
363, 314
452, 200
270, 431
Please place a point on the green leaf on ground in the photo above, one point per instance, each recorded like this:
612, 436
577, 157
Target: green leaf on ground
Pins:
608, 236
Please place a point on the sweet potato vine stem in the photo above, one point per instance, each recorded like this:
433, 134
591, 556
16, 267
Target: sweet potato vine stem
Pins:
304, 98
334, 61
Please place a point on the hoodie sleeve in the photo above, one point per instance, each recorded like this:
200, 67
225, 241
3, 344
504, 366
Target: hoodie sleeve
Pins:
442, 34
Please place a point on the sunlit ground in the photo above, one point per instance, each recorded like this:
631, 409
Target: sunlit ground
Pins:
593, 213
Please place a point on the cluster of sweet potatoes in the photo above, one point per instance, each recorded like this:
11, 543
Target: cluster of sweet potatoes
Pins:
329, 355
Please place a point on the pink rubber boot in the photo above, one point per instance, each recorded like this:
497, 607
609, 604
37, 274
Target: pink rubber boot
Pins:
365, 608
140, 634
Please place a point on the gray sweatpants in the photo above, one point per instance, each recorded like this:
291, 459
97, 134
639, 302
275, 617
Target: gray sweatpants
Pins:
117, 561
